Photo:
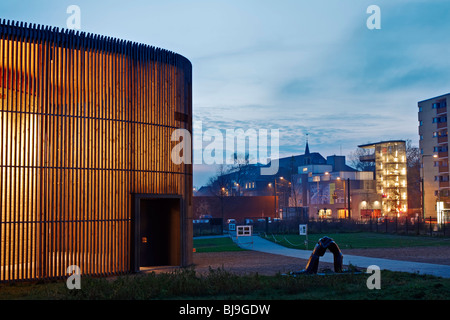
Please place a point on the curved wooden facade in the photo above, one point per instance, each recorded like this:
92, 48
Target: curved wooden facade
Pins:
86, 124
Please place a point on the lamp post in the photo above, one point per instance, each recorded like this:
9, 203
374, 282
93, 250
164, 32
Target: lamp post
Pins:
346, 197
275, 193
423, 183
274, 196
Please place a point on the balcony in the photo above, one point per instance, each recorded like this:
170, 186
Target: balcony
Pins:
443, 184
442, 125
441, 110
442, 139
443, 169
443, 154
367, 158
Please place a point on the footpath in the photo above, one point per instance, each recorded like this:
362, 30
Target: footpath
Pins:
257, 243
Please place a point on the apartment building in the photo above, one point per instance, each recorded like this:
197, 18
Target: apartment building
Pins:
389, 158
433, 144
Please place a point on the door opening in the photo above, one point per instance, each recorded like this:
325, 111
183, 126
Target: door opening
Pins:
159, 238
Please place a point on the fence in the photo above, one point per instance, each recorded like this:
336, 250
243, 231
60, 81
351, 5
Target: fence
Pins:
400, 226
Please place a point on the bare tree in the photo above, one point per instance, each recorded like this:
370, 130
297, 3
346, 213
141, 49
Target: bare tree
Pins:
413, 161
219, 185
355, 160
293, 188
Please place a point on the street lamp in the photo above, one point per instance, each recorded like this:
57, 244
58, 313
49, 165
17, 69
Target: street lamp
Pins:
275, 192
348, 195
423, 184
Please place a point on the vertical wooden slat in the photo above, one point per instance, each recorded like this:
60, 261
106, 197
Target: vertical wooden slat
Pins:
86, 122
2, 155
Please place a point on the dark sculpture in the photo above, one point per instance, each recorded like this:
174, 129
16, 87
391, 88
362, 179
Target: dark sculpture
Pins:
319, 250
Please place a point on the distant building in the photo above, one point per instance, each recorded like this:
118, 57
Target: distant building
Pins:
390, 175
247, 180
335, 191
433, 144
306, 184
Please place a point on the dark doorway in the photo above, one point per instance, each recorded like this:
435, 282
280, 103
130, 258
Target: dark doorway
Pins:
159, 232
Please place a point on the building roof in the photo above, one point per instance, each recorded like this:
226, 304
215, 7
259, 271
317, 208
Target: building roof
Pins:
372, 145
443, 95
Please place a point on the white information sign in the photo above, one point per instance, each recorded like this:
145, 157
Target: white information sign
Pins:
303, 229
244, 231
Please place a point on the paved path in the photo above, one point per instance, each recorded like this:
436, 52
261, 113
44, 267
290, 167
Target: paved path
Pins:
263, 245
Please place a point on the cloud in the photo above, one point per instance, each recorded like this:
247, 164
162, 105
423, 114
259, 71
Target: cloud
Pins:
298, 66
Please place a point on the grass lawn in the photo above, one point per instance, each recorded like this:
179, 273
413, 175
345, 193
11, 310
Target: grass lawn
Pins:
220, 284
216, 245
360, 240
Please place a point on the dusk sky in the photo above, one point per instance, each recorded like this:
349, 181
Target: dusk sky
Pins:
298, 66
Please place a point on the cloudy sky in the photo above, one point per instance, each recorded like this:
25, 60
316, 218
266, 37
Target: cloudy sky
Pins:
299, 66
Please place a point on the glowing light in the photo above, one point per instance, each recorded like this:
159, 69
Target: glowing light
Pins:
440, 211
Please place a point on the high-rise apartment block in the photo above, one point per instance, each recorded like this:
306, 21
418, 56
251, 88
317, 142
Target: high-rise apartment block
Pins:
433, 144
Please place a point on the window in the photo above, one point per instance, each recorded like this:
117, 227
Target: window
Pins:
441, 163
420, 109
442, 133
439, 104
440, 119
440, 149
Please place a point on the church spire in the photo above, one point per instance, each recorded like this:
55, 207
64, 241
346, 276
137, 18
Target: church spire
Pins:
307, 146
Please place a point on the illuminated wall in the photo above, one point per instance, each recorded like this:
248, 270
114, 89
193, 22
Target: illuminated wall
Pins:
86, 123
391, 176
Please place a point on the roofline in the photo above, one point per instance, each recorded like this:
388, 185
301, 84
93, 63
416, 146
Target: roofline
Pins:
381, 142
442, 95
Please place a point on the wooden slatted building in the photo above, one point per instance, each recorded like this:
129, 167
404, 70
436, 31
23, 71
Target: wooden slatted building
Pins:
86, 176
